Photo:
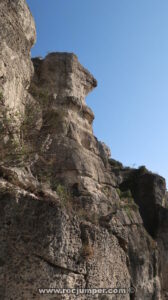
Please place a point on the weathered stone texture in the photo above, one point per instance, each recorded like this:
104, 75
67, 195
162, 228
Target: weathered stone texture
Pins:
71, 216
17, 35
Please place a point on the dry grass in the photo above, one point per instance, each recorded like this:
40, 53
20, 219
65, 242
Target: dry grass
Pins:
87, 251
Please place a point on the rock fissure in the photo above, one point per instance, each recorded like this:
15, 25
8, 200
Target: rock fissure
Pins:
57, 266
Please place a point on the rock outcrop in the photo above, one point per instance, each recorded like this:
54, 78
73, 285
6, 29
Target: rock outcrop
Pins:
70, 215
17, 31
17, 35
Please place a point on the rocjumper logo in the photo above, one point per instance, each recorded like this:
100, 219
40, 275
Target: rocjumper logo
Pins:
94, 291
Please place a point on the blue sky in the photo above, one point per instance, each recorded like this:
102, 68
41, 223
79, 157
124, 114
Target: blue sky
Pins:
124, 44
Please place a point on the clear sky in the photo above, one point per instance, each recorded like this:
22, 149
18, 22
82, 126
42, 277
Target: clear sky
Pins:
124, 44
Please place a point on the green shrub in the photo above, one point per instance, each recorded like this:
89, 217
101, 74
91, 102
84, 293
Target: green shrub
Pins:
88, 216
115, 164
118, 192
128, 211
129, 203
142, 170
64, 196
1, 96
40, 94
124, 194
15, 149
105, 190
62, 192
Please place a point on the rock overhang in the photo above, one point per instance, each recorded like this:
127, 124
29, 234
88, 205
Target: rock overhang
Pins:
63, 75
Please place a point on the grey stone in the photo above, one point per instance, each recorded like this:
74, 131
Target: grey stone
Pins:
70, 215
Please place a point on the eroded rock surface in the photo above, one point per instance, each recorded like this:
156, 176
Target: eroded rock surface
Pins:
17, 35
70, 216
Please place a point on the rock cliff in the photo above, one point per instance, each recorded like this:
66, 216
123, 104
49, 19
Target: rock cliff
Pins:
70, 215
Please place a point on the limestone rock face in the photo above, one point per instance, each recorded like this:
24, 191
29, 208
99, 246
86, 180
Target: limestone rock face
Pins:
70, 215
17, 35
162, 239
66, 138
65, 76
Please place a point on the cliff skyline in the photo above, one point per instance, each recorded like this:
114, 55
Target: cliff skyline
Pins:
74, 221
124, 45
